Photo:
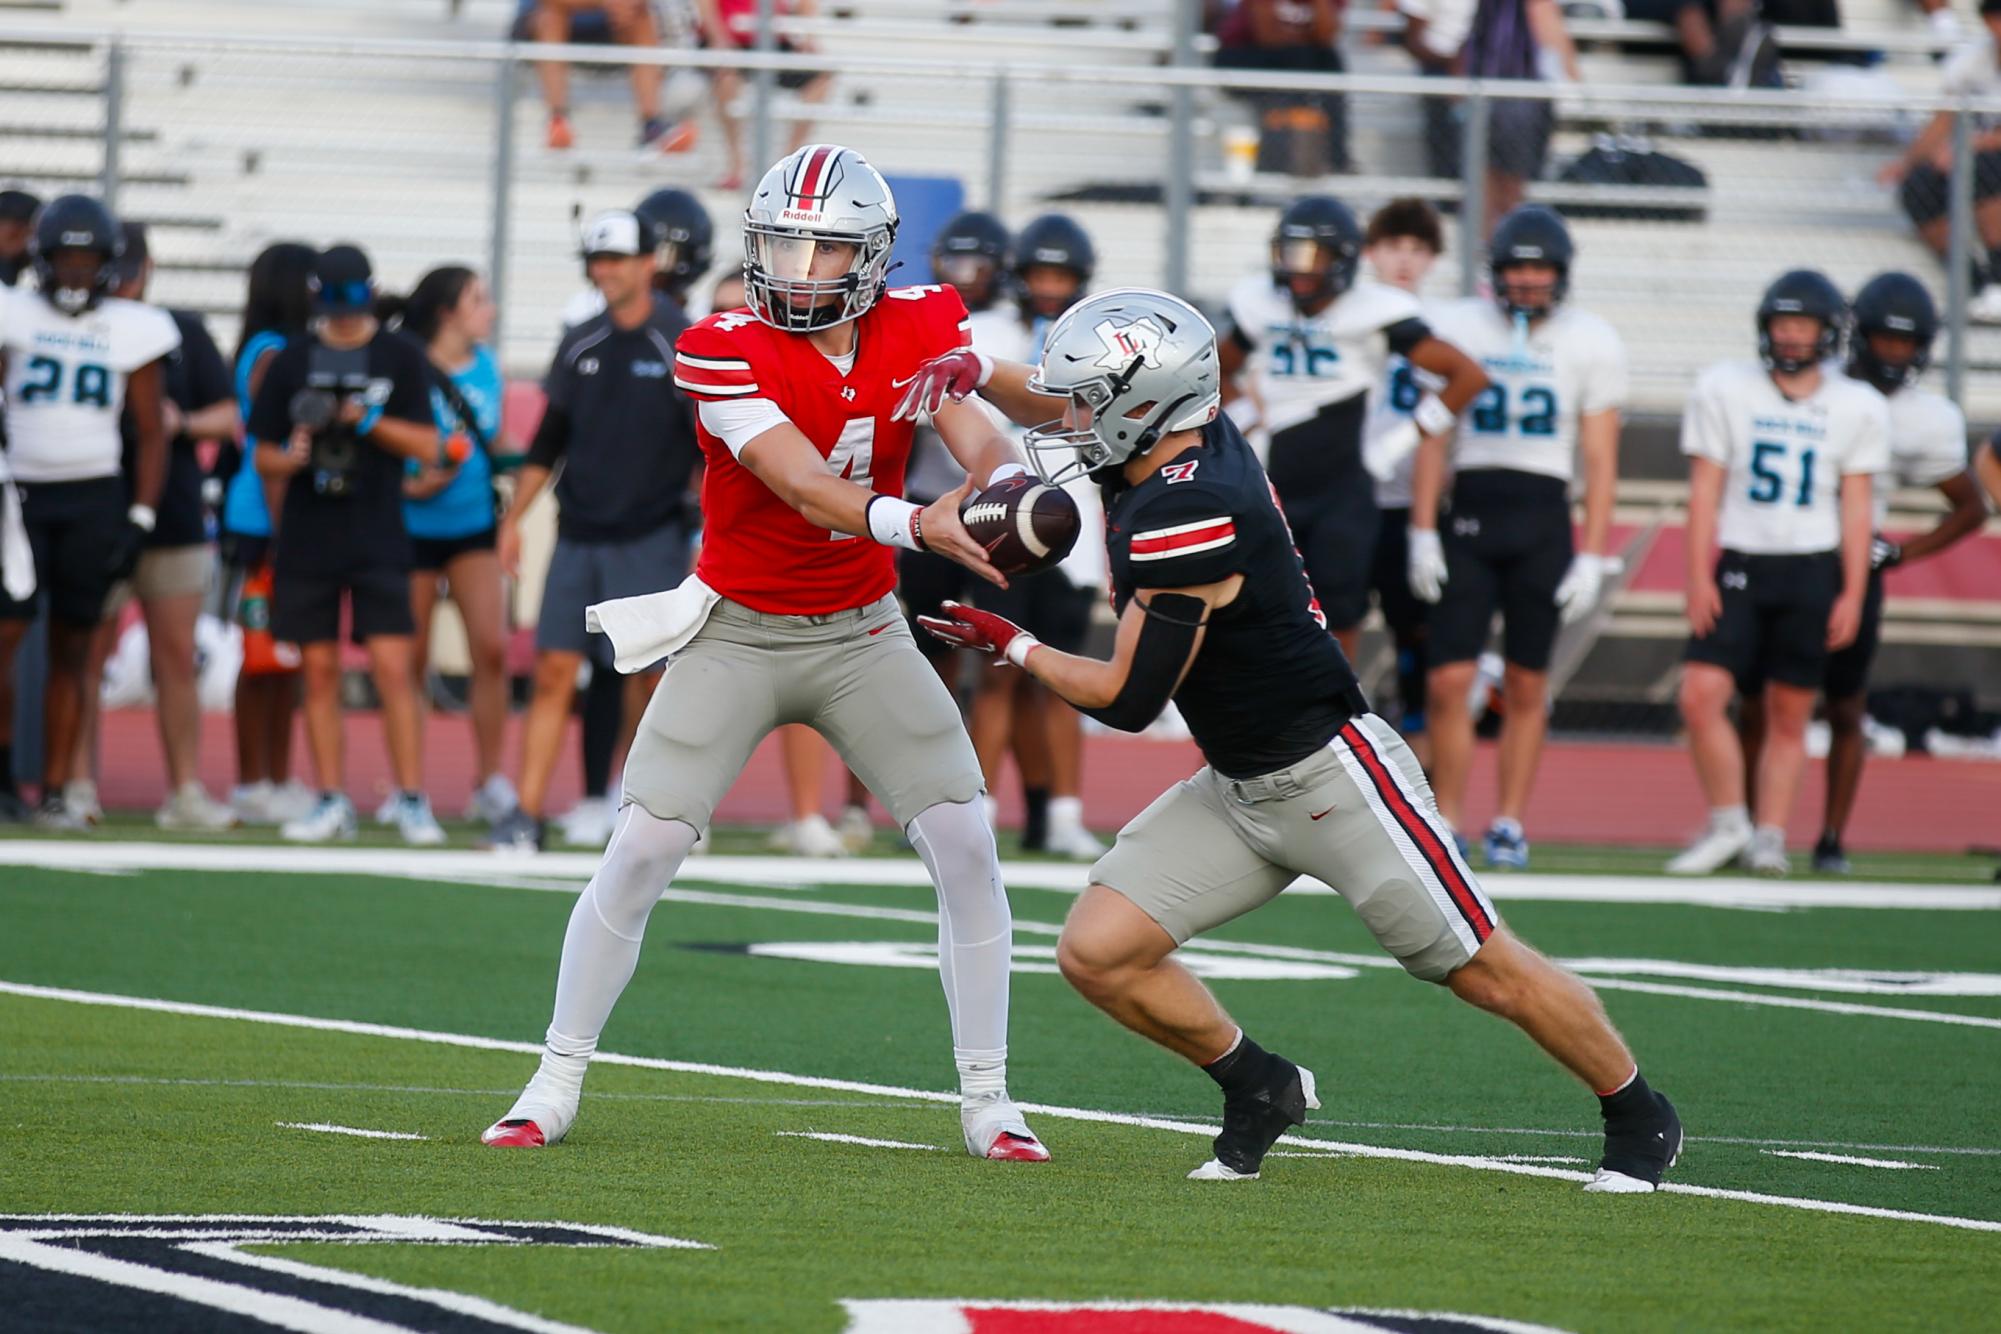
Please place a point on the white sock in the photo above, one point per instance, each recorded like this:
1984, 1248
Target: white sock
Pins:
1729, 817
1507, 827
601, 947
981, 1074
1066, 812
1770, 833
975, 927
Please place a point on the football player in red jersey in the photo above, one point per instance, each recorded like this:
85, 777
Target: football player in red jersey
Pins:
790, 618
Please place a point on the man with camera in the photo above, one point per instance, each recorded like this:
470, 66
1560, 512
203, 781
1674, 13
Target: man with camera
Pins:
625, 439
351, 402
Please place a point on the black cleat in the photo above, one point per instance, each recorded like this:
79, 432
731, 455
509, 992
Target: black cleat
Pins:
1830, 858
13, 810
1638, 1151
1252, 1122
517, 832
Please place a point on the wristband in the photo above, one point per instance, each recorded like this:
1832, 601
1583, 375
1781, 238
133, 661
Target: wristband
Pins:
1018, 649
986, 370
373, 414
142, 517
1432, 416
1005, 471
895, 523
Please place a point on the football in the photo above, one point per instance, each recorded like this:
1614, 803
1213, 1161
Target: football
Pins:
1026, 525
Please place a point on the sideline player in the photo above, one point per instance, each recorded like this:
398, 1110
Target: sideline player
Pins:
76, 358
1301, 778
1404, 240
1781, 453
1312, 342
790, 618
1895, 326
1558, 382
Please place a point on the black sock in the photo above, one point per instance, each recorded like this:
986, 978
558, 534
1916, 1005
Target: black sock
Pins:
1245, 1067
6, 766
1034, 817
411, 794
1636, 1099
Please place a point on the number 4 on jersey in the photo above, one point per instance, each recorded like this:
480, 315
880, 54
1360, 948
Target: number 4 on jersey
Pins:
852, 458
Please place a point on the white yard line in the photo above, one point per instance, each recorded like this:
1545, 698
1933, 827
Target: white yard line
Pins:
324, 1128
1893, 1164
908, 872
1182, 1127
829, 1137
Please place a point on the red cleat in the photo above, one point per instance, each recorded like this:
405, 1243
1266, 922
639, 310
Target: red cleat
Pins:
1012, 1148
524, 1135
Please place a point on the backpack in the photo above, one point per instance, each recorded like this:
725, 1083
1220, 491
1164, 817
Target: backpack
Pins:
1619, 160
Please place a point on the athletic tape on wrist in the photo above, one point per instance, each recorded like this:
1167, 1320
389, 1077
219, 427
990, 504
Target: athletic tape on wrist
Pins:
895, 523
1432, 416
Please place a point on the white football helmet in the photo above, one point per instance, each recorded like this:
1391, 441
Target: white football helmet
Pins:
1136, 364
822, 193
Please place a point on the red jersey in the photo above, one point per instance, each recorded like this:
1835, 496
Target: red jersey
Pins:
758, 550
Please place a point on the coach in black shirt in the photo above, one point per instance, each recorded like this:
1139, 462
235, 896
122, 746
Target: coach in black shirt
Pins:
351, 401
625, 439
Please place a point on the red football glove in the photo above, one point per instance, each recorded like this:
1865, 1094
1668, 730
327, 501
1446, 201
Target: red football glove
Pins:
953, 376
982, 631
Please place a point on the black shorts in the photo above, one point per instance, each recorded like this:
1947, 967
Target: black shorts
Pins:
72, 527
1774, 621
305, 604
1048, 606
1926, 191
1402, 612
1507, 546
925, 579
430, 554
1848, 669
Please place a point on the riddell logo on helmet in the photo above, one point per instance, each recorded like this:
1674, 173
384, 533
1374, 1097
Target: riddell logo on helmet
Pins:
803, 215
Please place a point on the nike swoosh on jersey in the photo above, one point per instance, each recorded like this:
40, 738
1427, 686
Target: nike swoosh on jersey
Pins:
1321, 814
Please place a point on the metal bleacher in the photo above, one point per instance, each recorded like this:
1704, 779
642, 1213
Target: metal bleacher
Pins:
230, 140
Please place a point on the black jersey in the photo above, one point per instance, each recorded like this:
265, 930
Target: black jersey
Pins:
1269, 685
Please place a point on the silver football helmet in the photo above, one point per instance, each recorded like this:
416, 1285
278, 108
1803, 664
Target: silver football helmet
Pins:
821, 194
1136, 364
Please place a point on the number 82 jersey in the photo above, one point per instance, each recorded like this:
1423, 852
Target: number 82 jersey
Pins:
747, 377
1784, 459
66, 377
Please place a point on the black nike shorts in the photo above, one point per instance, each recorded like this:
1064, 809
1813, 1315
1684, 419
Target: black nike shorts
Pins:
72, 527
305, 604
1507, 546
1773, 626
1847, 673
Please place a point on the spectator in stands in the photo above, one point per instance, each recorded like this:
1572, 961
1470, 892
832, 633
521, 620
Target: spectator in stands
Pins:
449, 511
276, 311
1305, 134
17, 218
350, 401
626, 437
1492, 39
631, 23
732, 25
175, 567
1923, 174
1723, 42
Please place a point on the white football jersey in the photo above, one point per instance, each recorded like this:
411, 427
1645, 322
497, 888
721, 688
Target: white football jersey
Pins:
1927, 443
1785, 459
1395, 399
1544, 377
66, 380
1304, 363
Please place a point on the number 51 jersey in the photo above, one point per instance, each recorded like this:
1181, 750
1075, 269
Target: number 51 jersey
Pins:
66, 378
756, 549
1784, 458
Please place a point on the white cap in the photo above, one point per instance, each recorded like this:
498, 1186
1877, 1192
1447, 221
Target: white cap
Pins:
616, 232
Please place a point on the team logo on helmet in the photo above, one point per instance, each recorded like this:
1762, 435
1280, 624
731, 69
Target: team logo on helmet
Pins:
1136, 338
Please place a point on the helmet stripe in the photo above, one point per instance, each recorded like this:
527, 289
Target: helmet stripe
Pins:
811, 188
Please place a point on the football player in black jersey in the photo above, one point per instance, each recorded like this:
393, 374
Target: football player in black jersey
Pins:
1216, 613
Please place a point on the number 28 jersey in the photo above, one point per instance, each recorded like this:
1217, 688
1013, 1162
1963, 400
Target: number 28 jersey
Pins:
1784, 459
66, 379
756, 549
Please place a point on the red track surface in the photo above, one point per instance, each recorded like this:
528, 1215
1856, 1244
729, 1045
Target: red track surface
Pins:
1586, 793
